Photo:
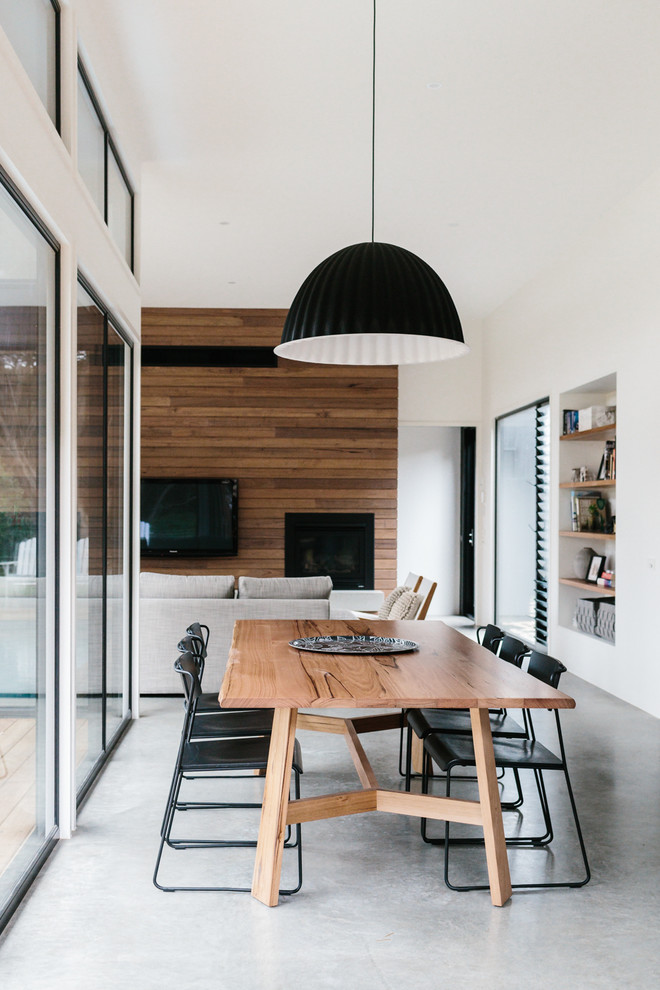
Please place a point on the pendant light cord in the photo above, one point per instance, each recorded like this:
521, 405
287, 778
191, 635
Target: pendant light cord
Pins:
373, 123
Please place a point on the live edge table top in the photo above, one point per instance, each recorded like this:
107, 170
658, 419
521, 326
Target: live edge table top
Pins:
448, 671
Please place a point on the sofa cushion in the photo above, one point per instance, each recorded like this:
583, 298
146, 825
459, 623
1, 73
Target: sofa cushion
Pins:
406, 606
386, 607
297, 587
164, 621
186, 585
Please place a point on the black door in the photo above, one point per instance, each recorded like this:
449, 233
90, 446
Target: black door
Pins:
468, 465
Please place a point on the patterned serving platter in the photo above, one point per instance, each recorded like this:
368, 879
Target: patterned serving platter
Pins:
354, 644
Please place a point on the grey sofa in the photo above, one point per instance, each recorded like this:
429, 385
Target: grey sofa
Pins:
170, 602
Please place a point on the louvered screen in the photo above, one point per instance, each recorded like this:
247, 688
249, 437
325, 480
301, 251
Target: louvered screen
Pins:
542, 477
521, 522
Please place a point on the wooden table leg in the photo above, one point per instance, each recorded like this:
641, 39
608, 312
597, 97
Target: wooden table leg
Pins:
268, 862
491, 809
416, 754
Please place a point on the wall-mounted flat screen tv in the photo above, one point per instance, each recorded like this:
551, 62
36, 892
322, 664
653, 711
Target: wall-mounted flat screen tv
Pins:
193, 517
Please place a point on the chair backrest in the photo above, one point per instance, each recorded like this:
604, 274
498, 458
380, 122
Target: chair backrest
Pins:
192, 644
201, 631
545, 668
549, 670
26, 558
491, 636
413, 581
513, 650
187, 664
426, 587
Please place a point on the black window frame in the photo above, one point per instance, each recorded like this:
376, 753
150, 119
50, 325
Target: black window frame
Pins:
109, 147
542, 550
110, 744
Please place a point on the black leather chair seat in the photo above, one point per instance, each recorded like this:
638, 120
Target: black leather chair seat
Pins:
426, 720
233, 722
231, 754
455, 750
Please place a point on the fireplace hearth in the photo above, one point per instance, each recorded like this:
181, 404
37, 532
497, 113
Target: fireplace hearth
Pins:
340, 544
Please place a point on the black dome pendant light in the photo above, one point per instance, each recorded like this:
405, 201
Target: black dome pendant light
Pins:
372, 303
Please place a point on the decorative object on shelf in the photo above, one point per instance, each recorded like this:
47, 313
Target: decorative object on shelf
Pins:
598, 513
589, 512
581, 562
606, 579
584, 473
596, 616
354, 644
585, 615
372, 303
596, 566
594, 417
605, 620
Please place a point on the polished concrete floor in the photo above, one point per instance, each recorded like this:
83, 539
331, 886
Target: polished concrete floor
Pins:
373, 911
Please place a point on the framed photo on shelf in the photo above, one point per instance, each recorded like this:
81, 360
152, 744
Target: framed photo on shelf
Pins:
595, 568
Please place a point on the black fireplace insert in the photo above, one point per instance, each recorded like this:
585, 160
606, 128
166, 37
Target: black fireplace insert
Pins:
340, 544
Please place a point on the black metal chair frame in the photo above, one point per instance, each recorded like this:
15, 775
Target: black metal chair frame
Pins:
531, 755
213, 759
424, 721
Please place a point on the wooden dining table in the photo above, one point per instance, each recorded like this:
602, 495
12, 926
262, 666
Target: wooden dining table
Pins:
447, 670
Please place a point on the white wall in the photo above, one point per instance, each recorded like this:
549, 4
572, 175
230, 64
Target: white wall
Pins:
446, 393
595, 312
429, 510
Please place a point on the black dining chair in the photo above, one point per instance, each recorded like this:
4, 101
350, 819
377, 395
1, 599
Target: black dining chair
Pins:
219, 758
490, 636
212, 721
423, 721
455, 750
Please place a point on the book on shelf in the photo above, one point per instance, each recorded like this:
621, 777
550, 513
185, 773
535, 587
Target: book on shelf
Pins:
606, 579
570, 421
607, 469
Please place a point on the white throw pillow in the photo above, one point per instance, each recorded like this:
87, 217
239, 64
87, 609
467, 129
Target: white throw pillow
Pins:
406, 606
386, 607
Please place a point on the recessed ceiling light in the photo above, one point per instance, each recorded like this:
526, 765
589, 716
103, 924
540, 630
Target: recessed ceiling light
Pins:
223, 223
434, 85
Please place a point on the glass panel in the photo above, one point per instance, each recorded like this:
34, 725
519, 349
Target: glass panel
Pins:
27, 314
116, 640
119, 208
31, 26
89, 552
91, 146
516, 523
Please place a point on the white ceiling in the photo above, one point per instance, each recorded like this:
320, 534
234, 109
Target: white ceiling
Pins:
249, 125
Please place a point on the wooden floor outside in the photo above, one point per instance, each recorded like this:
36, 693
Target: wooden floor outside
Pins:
17, 785
18, 781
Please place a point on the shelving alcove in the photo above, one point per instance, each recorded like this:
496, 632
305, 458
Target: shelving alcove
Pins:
584, 448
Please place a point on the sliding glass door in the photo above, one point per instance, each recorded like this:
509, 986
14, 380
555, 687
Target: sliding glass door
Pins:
102, 601
28, 344
521, 522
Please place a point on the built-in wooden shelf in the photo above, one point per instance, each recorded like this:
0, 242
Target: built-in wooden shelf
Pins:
598, 433
584, 534
587, 586
602, 483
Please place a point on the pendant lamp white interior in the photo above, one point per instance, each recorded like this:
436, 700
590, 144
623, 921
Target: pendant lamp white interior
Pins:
372, 303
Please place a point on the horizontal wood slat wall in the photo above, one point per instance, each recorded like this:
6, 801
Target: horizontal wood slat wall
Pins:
299, 437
